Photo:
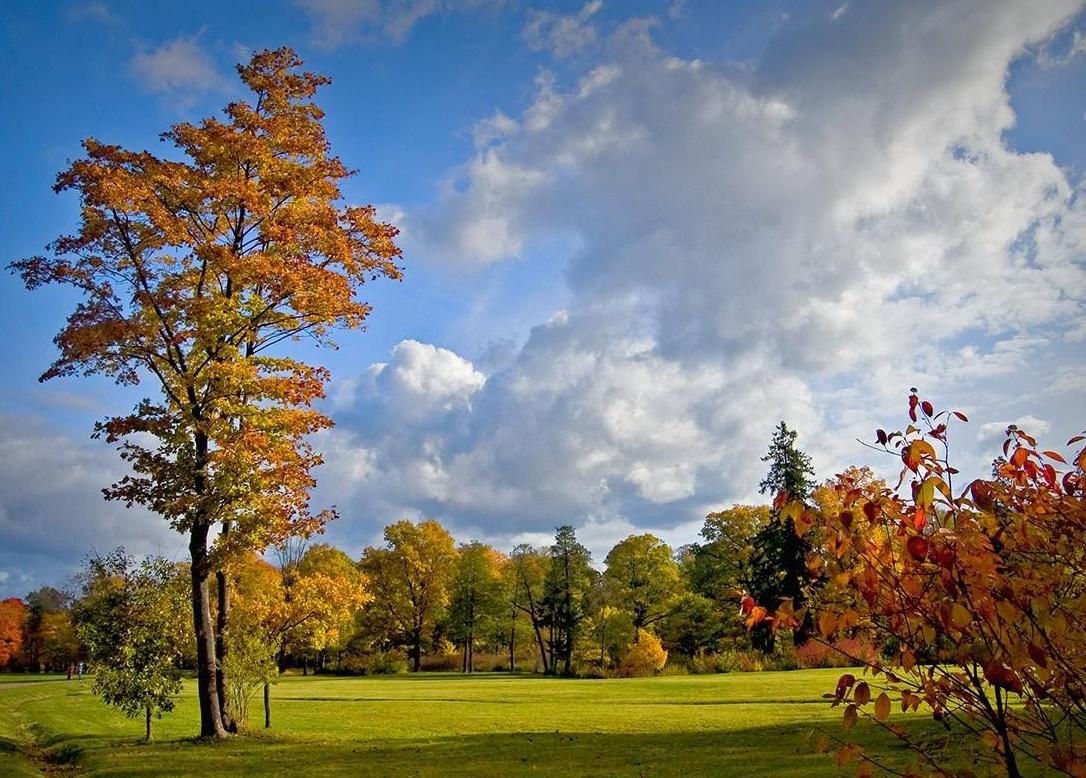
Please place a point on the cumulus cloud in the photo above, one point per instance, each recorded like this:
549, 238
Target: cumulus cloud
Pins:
52, 511
561, 34
179, 70
803, 239
338, 22
995, 430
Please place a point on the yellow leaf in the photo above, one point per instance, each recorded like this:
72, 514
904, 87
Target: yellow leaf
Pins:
882, 706
959, 616
850, 717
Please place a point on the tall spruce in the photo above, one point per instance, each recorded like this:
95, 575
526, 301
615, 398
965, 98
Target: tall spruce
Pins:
569, 578
779, 561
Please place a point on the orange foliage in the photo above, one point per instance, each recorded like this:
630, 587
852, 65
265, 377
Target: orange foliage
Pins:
981, 589
12, 629
645, 657
193, 269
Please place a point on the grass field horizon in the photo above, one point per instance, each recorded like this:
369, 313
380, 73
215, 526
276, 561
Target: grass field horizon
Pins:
437, 724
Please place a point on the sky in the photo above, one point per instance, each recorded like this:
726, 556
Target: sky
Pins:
637, 234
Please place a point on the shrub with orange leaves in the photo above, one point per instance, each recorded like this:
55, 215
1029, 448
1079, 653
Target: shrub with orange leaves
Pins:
982, 590
645, 657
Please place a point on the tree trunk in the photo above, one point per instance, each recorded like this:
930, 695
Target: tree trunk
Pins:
221, 620
513, 640
210, 713
416, 648
147, 736
267, 706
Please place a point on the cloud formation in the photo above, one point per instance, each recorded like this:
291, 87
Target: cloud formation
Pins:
804, 239
52, 511
338, 22
562, 34
179, 70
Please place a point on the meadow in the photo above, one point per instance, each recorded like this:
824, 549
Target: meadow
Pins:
440, 724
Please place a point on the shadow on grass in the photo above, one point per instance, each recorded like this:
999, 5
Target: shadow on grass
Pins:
776, 751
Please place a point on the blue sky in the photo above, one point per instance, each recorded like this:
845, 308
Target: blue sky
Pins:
636, 235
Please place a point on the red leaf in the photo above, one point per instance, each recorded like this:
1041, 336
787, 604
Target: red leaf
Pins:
880, 435
961, 416
920, 517
746, 605
1055, 456
927, 408
918, 548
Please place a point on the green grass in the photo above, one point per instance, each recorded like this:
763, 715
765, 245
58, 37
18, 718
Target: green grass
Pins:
31, 677
483, 725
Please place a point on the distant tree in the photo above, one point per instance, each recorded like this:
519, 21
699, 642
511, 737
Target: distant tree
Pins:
476, 597
409, 579
694, 625
306, 609
568, 581
528, 569
779, 559
192, 269
643, 579
133, 620
605, 635
721, 566
38, 603
13, 615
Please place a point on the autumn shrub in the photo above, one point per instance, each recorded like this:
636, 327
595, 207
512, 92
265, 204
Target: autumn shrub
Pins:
844, 652
441, 663
980, 588
645, 657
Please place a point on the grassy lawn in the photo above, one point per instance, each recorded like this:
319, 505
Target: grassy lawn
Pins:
31, 677
736, 724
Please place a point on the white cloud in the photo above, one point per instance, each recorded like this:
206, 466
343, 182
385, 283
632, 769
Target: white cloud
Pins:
803, 241
180, 70
562, 35
52, 511
996, 430
339, 22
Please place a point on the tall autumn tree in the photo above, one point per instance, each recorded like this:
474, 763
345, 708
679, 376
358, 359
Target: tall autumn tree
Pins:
643, 579
476, 597
409, 579
192, 270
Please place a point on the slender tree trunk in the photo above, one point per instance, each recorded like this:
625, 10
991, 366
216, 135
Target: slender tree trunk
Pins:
210, 714
267, 706
416, 648
147, 711
222, 619
513, 640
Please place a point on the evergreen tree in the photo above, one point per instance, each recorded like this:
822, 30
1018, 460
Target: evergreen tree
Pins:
779, 561
569, 578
